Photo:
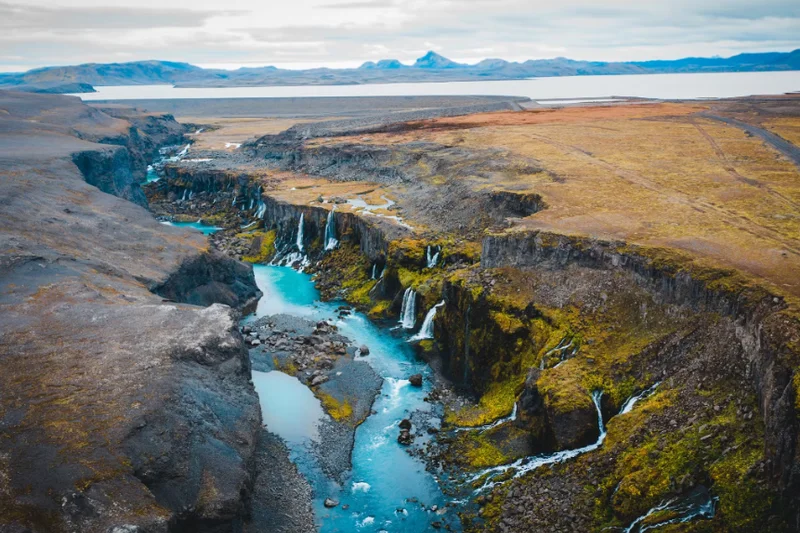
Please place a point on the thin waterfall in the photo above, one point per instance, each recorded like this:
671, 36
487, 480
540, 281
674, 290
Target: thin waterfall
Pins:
630, 402
510, 418
526, 464
184, 195
252, 201
432, 258
191, 195
330, 231
262, 209
426, 331
185, 151
408, 310
233, 203
699, 504
299, 241
374, 270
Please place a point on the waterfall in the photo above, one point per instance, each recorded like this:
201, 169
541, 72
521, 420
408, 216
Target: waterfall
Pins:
374, 270
184, 195
486, 427
426, 331
262, 209
191, 195
526, 464
330, 232
408, 310
698, 504
432, 258
233, 203
300, 233
185, 151
630, 402
252, 201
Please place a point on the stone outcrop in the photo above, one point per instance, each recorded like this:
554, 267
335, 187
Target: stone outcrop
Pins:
119, 411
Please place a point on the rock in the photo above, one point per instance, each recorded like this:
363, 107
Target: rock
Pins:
318, 380
405, 423
364, 349
330, 503
405, 437
416, 380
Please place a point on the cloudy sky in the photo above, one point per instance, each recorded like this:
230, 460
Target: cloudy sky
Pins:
337, 33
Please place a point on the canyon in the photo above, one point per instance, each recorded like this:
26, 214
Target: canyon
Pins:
606, 296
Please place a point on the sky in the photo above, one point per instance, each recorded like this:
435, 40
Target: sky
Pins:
345, 33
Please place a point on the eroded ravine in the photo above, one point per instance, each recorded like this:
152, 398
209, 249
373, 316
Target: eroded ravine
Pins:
387, 489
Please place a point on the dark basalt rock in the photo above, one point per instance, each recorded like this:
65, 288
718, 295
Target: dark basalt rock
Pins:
212, 278
119, 411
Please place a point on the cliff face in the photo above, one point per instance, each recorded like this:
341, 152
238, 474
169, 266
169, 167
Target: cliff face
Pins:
110, 170
722, 313
118, 410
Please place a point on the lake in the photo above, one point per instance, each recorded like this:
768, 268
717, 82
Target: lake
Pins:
665, 86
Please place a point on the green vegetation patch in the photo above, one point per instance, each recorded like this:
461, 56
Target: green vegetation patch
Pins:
264, 244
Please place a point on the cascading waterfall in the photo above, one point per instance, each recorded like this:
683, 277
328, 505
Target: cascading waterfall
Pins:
490, 425
262, 209
185, 151
299, 241
432, 258
630, 402
698, 504
330, 231
426, 331
526, 464
408, 310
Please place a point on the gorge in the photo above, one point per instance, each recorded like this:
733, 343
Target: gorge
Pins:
488, 322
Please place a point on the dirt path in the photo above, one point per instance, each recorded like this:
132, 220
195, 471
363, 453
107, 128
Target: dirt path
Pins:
777, 142
728, 166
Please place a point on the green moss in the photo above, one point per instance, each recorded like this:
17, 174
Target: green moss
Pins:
266, 245
796, 382
719, 452
497, 402
341, 411
380, 309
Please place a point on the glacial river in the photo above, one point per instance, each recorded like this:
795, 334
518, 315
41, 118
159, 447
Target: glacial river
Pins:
665, 86
387, 490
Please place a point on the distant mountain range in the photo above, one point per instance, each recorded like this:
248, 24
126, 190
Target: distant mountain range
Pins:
428, 68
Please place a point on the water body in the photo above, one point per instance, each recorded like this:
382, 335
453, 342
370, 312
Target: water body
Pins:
206, 229
666, 86
384, 476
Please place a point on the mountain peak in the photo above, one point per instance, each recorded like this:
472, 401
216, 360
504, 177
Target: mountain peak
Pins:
434, 60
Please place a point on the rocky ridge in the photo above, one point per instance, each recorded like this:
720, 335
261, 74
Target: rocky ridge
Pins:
119, 410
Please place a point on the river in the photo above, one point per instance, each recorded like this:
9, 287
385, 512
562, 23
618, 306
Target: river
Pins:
388, 489
664, 86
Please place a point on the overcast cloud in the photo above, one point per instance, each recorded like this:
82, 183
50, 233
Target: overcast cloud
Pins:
308, 33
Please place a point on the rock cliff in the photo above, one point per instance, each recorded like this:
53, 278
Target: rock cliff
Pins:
119, 411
